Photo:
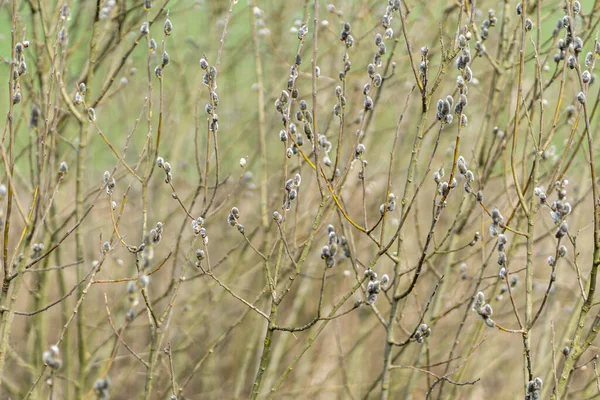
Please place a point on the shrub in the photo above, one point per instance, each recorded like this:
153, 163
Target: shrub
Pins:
297, 199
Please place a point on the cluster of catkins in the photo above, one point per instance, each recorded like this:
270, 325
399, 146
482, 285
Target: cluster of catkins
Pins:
514, 281
111, 5
20, 69
80, 94
260, 22
463, 271
161, 163
444, 110
132, 298
37, 249
461, 164
590, 58
165, 59
560, 208
65, 15
374, 286
199, 229
497, 222
483, 309
501, 247
348, 40
528, 21
574, 44
463, 61
334, 243
533, 389
291, 191
391, 204
109, 181
484, 30
305, 117
209, 79
101, 388
283, 136
386, 20
577, 48
562, 252
341, 103
80, 98
375, 77
156, 233
423, 332
446, 106
283, 104
562, 230
443, 187
359, 154
51, 358
424, 65
232, 219
153, 238
326, 147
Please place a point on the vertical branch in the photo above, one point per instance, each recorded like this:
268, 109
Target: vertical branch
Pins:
315, 126
79, 194
7, 317
261, 118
